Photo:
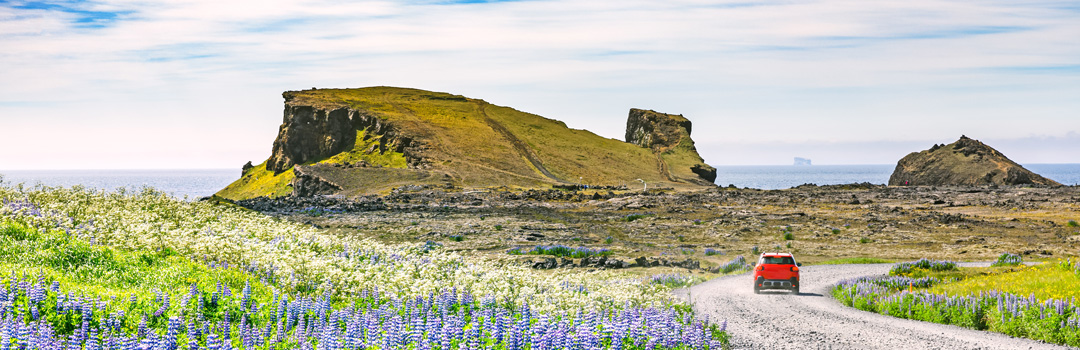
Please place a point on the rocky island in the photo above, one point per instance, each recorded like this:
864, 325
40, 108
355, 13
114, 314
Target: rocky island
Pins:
363, 141
966, 162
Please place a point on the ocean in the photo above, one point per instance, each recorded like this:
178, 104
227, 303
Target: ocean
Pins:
772, 177
194, 184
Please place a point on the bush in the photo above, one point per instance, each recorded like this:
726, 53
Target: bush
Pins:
1072, 223
925, 264
632, 217
560, 251
788, 236
865, 240
737, 264
1007, 259
711, 252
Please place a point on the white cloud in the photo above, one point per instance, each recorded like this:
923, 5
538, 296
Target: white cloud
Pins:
744, 72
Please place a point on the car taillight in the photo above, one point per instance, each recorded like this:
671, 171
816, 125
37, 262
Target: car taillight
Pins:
761, 268
794, 269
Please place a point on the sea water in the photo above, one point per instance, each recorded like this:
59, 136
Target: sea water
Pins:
198, 183
192, 183
771, 177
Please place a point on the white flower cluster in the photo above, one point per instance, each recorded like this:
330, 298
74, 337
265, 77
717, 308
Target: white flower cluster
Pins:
301, 255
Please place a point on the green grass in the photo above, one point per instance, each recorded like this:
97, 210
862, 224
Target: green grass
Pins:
1044, 281
1036, 302
113, 274
843, 261
368, 149
257, 182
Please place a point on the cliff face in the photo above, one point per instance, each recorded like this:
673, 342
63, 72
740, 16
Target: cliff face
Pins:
668, 136
363, 141
964, 162
315, 132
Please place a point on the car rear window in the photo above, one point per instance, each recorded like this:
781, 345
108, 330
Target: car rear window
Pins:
778, 260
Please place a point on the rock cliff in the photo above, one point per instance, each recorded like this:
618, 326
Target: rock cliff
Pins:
668, 136
369, 140
964, 162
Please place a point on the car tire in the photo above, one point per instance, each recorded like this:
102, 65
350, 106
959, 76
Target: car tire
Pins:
795, 290
757, 282
794, 285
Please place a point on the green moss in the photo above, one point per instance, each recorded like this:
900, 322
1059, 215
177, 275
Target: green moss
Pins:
369, 150
258, 182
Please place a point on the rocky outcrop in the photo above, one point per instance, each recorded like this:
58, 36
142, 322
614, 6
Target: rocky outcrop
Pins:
665, 134
964, 162
659, 131
311, 132
307, 183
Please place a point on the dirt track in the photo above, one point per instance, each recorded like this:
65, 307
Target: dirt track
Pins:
814, 320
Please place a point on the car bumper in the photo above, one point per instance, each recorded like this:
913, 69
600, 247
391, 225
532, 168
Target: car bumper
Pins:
775, 284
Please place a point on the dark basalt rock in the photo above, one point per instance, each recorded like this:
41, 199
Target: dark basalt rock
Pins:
312, 132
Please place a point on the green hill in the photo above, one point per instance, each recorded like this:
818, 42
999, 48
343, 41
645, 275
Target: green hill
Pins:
370, 140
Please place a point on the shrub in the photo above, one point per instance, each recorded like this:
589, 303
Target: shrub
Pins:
457, 238
560, 251
865, 240
1007, 259
498, 227
925, 264
632, 217
835, 231
711, 252
1072, 223
672, 280
737, 264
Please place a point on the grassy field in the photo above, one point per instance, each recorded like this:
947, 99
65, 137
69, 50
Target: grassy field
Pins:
1043, 281
88, 269
1037, 302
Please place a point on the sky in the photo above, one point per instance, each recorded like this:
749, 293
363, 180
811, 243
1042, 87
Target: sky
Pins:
125, 84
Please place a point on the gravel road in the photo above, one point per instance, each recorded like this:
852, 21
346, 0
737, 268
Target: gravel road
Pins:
814, 320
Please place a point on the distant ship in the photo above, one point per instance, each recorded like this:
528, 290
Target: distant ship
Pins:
802, 161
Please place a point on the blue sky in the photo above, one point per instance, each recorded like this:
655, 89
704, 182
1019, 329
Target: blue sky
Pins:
197, 84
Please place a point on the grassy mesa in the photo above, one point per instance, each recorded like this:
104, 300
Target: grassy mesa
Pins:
1036, 302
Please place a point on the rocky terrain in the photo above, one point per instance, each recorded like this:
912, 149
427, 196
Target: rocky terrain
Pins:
964, 162
703, 229
354, 142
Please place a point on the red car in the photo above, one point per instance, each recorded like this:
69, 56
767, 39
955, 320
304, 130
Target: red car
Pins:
776, 271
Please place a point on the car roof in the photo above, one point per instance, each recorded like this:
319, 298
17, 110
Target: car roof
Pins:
777, 254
